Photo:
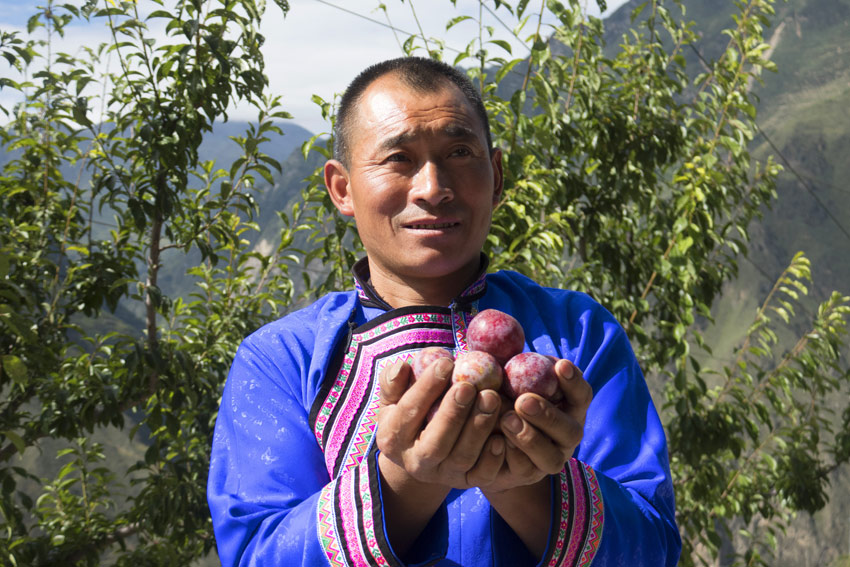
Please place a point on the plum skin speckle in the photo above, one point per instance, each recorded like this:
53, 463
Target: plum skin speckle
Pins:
479, 368
531, 372
497, 333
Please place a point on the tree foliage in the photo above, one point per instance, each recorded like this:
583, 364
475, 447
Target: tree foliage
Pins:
135, 166
628, 176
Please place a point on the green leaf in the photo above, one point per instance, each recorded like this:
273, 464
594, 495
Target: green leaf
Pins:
501, 43
15, 369
454, 21
16, 440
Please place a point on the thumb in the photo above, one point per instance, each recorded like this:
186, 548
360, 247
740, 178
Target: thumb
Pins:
394, 380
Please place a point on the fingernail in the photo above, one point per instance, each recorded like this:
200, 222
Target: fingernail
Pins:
512, 423
443, 369
394, 371
530, 405
567, 370
497, 446
465, 393
487, 403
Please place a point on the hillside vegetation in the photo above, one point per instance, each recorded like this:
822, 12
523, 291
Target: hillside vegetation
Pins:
804, 120
126, 290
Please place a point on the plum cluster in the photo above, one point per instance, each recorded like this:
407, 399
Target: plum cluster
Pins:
495, 360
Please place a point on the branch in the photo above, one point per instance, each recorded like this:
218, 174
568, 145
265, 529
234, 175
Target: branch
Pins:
98, 545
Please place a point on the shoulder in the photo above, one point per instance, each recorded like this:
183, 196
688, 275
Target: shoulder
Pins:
522, 289
292, 353
307, 324
566, 323
295, 340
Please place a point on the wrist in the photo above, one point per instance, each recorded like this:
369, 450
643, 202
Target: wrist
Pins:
409, 504
534, 492
527, 510
400, 485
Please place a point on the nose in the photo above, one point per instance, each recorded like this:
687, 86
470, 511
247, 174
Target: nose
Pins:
430, 185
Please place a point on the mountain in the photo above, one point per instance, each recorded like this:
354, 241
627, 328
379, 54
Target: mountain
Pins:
804, 122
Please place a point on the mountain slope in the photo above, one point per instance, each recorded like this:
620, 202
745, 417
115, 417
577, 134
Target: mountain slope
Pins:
804, 118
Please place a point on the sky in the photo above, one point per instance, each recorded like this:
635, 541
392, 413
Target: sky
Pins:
319, 47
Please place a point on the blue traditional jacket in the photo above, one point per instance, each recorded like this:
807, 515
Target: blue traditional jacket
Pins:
294, 476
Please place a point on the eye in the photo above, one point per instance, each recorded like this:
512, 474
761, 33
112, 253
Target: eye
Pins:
462, 151
397, 157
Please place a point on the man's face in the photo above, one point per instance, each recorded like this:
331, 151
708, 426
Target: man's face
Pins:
421, 182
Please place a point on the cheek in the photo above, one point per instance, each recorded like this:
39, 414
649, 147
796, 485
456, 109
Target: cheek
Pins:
378, 198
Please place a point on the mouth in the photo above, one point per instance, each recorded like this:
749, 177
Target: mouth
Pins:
430, 226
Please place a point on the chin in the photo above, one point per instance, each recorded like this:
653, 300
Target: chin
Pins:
440, 266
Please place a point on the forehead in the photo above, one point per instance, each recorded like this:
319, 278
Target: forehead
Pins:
390, 109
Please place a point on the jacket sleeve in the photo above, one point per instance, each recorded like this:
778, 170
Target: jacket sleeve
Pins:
613, 503
271, 497
620, 477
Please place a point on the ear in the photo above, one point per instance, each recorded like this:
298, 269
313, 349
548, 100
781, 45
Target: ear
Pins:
498, 175
336, 180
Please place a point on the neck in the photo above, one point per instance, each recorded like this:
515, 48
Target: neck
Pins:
400, 291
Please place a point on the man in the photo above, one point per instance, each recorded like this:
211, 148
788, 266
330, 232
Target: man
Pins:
323, 454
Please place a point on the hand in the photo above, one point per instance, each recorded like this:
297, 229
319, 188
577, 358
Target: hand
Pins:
455, 448
420, 465
542, 436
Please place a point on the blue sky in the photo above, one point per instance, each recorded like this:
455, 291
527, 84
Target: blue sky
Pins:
317, 49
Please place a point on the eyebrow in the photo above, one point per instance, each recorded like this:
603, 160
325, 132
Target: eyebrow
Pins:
455, 131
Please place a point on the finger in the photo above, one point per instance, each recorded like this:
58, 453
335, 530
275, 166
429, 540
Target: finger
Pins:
404, 423
427, 389
393, 380
519, 466
440, 435
476, 430
490, 462
576, 391
567, 369
548, 449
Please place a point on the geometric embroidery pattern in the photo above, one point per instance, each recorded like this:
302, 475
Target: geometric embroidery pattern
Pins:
344, 419
580, 517
345, 423
597, 517
326, 524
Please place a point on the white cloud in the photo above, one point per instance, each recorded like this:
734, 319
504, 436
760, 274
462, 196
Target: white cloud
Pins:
318, 48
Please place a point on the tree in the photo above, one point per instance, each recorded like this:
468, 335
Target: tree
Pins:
628, 176
67, 375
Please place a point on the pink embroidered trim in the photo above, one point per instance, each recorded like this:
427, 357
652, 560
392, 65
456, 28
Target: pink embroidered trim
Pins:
331, 430
460, 322
597, 517
585, 512
355, 502
563, 524
578, 512
336, 390
326, 526
363, 382
368, 518
347, 494
365, 431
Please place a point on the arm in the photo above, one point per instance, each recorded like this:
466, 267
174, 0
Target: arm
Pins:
271, 496
617, 488
419, 465
541, 437
256, 490
270, 493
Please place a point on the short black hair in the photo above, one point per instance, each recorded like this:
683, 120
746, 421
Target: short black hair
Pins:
422, 75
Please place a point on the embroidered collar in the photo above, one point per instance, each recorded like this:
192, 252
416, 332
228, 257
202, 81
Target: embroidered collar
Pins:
370, 298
